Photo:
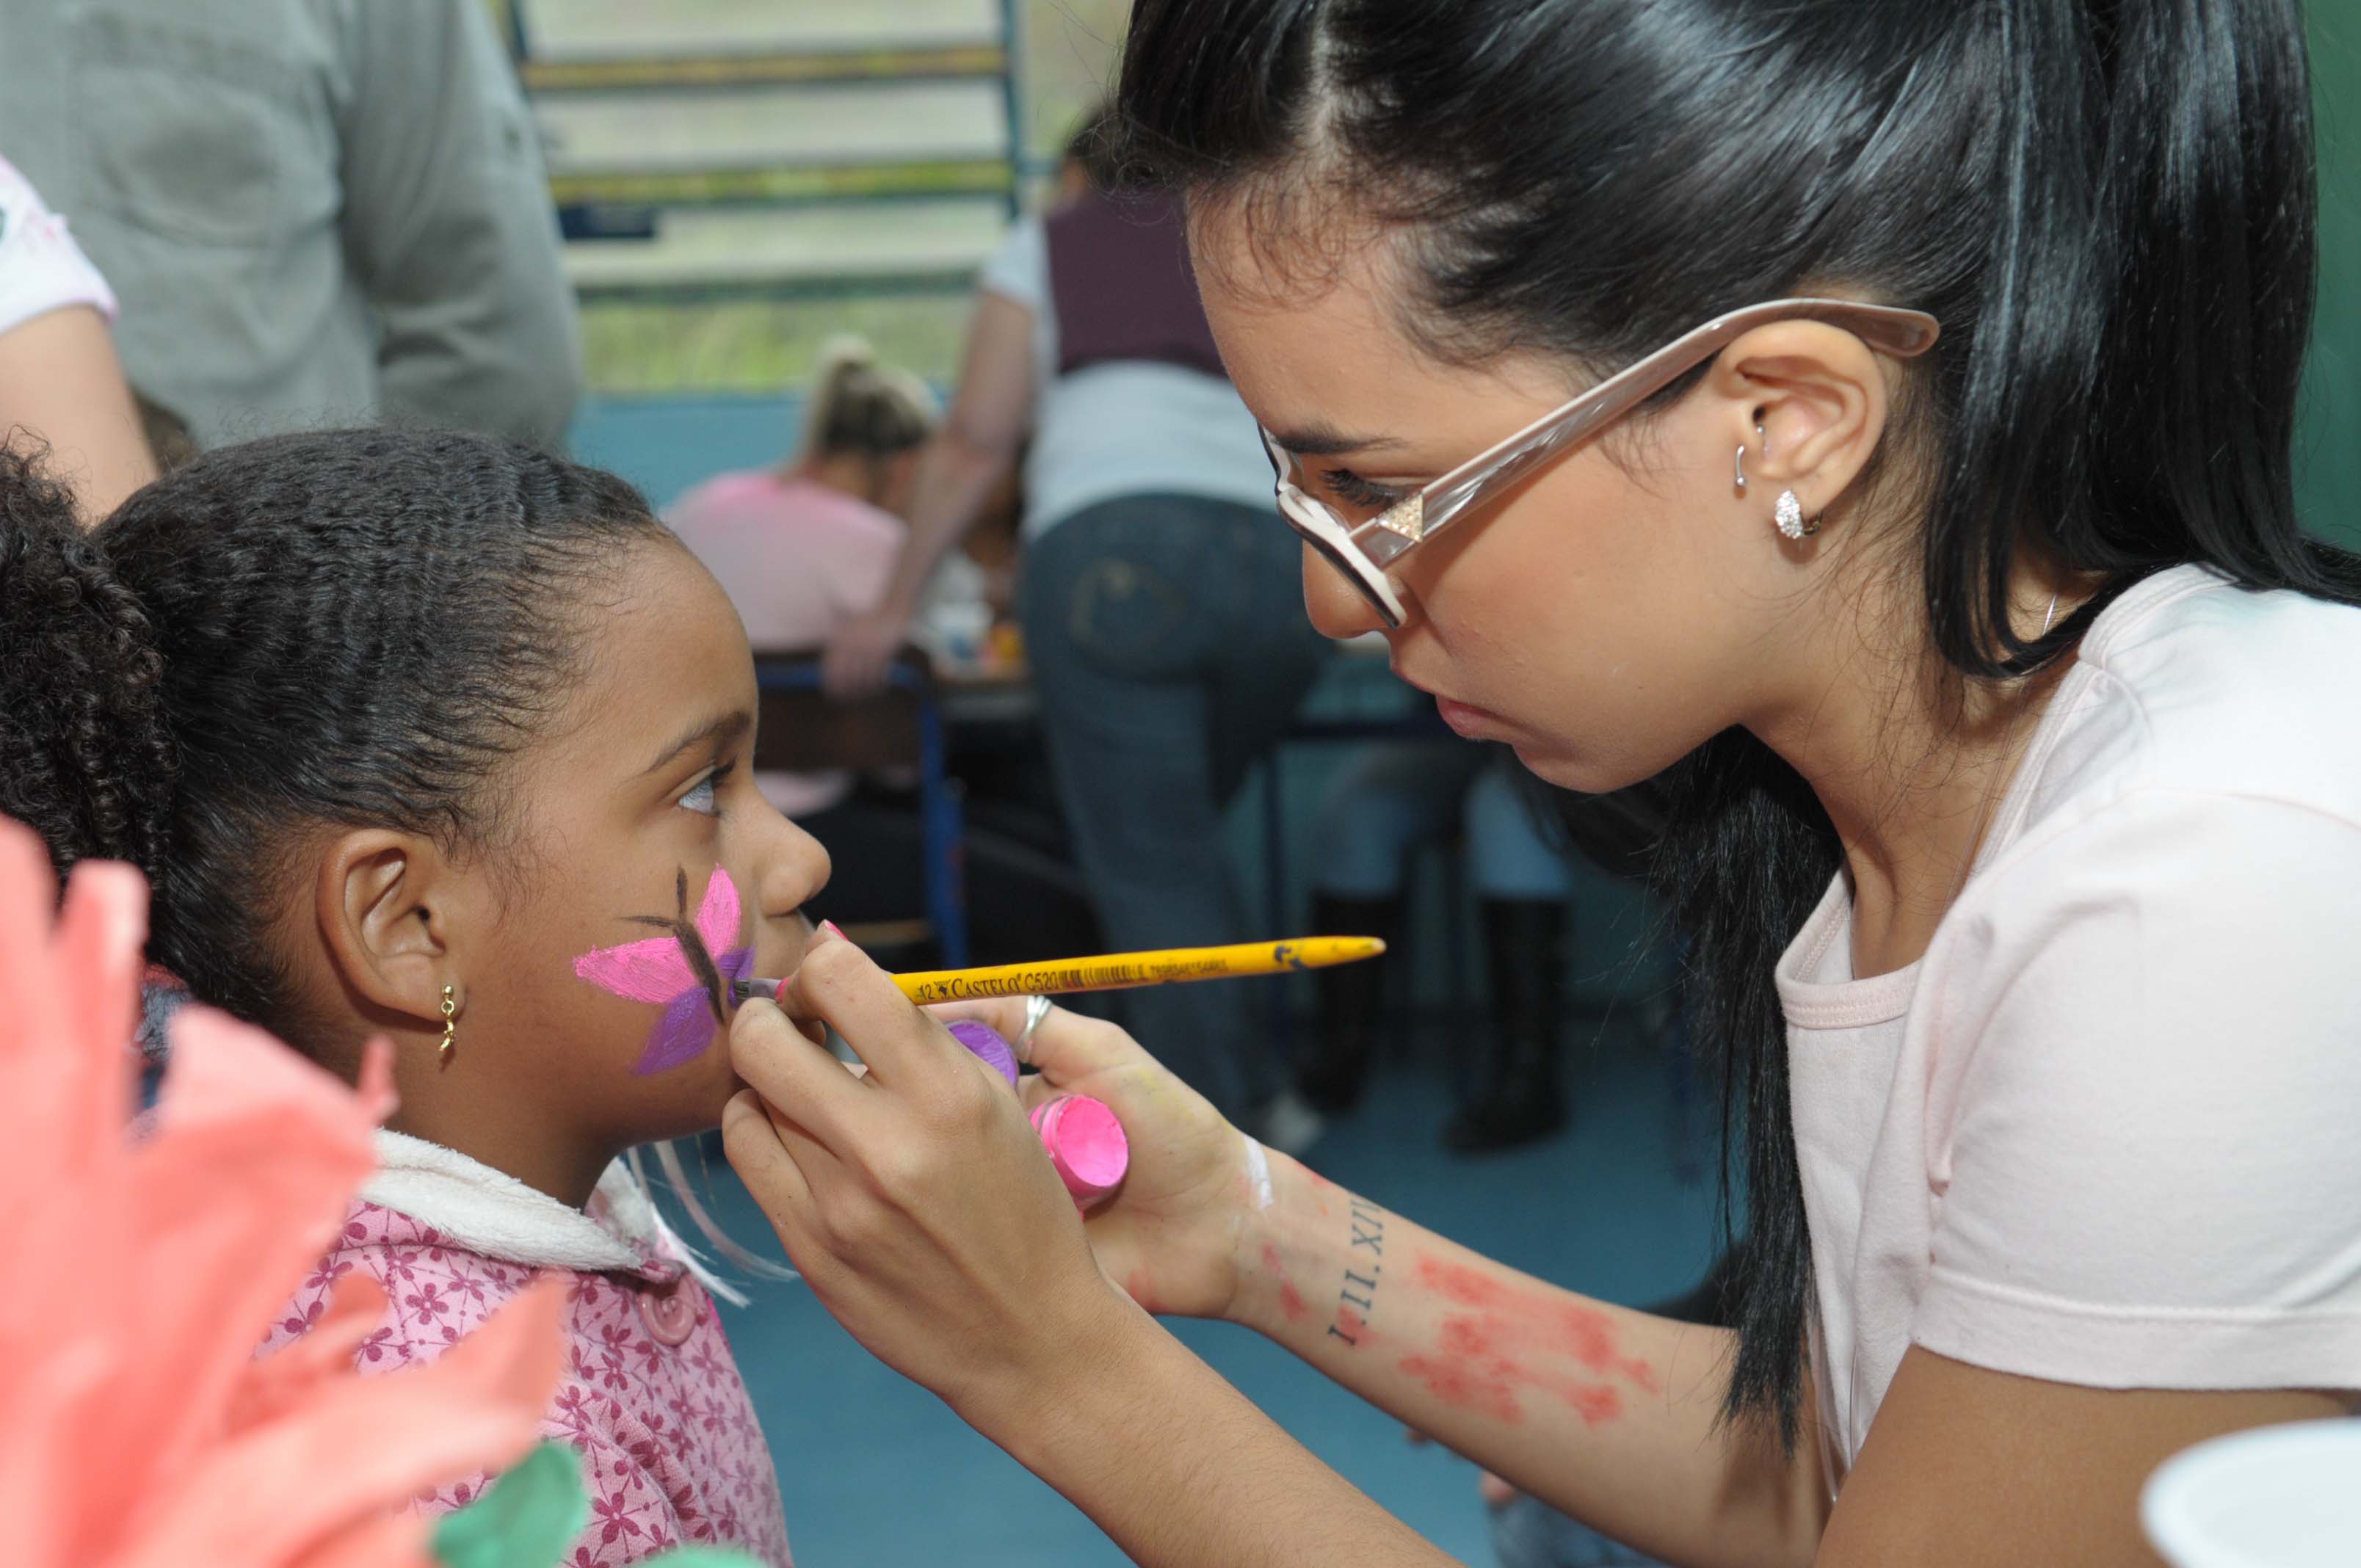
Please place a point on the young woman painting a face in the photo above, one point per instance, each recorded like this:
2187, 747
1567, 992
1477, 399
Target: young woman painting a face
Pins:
2009, 715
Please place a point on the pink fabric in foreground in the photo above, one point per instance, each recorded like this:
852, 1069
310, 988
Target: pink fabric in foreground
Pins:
138, 1429
651, 1396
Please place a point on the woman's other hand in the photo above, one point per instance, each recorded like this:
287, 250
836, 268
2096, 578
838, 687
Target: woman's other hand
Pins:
1173, 1234
916, 1199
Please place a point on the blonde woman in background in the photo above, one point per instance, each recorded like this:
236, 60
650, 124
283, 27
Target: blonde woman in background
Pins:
806, 544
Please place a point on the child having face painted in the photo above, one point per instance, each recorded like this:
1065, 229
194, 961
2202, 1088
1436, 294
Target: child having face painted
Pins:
430, 736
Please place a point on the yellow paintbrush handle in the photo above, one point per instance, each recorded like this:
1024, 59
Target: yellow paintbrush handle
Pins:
1114, 971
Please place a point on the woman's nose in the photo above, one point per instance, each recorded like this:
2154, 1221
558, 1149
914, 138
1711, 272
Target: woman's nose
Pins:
1337, 608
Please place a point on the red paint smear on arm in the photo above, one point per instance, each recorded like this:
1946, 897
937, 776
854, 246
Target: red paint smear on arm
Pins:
1591, 1336
1471, 1367
1469, 1386
1290, 1300
1596, 1403
1537, 1320
1459, 1283
1351, 1324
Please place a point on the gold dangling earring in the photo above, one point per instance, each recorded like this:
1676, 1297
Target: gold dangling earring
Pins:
450, 1029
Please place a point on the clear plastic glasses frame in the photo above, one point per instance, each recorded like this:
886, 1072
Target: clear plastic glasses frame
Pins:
1365, 552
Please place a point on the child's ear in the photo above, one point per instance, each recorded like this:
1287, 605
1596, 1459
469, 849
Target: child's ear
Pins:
385, 902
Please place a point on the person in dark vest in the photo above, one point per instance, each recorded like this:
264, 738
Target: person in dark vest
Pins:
1162, 613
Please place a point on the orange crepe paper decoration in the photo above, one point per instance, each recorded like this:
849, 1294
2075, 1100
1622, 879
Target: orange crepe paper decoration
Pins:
138, 1429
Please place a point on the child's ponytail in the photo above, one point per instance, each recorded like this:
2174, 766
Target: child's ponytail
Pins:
856, 405
85, 759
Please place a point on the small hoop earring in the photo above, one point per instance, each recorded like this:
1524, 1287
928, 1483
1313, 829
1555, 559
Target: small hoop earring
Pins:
450, 1029
1741, 466
1789, 514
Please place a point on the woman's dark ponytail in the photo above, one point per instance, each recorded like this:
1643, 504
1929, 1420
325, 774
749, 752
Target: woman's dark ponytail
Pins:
2210, 189
1746, 855
2146, 303
85, 760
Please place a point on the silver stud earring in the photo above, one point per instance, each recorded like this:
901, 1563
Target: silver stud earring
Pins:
1789, 514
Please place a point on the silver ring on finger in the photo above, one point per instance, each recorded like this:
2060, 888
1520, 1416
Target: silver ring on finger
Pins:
1036, 1009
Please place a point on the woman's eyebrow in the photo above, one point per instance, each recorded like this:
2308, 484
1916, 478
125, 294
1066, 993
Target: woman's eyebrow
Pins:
720, 732
1317, 440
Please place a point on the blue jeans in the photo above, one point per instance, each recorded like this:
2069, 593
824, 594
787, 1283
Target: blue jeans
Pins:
1167, 638
1396, 795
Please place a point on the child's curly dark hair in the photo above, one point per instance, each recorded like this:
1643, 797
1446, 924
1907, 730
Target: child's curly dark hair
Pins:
85, 760
345, 629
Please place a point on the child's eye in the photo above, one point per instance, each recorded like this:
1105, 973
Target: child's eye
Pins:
702, 796
1356, 491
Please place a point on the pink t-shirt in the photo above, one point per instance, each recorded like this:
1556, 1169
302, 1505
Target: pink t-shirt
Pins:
2104, 1132
798, 559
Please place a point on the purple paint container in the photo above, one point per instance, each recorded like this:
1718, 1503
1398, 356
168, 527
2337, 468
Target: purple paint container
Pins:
985, 1042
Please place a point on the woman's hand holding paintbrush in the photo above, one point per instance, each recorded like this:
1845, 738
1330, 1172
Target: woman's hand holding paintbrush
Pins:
915, 1200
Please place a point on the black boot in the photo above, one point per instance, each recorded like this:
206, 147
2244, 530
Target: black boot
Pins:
1518, 1100
1351, 1002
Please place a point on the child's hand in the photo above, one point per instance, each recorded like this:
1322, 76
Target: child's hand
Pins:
1173, 1234
915, 1198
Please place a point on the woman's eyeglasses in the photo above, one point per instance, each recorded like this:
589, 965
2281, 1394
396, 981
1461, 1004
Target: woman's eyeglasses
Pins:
1365, 552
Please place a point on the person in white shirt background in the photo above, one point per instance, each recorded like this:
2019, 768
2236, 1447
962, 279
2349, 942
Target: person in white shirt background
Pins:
314, 213
60, 383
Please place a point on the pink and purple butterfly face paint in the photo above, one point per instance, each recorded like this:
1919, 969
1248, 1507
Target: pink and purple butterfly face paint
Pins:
686, 971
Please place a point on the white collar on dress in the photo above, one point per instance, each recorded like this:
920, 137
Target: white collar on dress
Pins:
491, 1212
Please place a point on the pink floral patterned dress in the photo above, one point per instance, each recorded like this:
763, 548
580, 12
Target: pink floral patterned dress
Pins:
651, 1396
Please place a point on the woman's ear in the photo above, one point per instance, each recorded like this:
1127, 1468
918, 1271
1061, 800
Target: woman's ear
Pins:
385, 903
1817, 395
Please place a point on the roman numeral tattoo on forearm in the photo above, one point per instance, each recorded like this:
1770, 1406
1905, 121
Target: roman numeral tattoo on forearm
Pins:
1357, 1300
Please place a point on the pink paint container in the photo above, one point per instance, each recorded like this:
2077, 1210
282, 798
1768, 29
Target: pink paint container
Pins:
1086, 1145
